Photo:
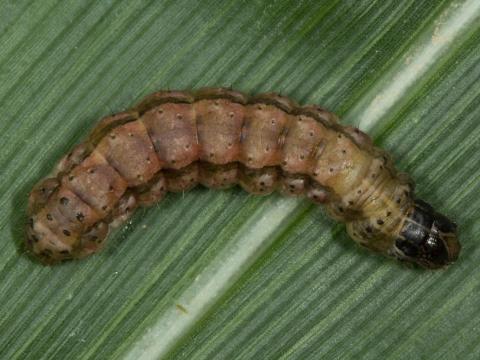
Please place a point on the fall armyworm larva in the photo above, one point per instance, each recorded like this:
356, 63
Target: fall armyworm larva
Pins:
219, 138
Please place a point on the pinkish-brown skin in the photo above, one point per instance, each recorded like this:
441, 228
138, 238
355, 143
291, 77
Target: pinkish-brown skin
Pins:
219, 138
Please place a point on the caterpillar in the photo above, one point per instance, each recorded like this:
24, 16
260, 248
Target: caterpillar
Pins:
217, 137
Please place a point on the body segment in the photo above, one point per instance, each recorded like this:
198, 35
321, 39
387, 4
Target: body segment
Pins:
219, 138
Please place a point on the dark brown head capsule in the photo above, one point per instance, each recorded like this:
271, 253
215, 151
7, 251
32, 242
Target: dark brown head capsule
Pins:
427, 238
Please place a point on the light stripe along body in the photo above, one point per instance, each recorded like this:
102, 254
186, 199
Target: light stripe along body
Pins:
173, 141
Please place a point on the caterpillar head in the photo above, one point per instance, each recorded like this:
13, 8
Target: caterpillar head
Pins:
427, 238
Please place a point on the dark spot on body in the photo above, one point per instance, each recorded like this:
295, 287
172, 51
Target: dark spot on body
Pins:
63, 201
34, 238
65, 252
66, 232
80, 216
368, 229
49, 217
380, 222
44, 253
31, 222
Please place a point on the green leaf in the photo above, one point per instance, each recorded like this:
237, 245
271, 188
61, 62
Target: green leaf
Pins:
224, 275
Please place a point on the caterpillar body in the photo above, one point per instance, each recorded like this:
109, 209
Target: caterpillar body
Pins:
172, 141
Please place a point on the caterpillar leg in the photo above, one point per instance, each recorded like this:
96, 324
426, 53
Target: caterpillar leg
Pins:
259, 181
93, 240
218, 176
183, 179
155, 191
318, 194
293, 184
124, 209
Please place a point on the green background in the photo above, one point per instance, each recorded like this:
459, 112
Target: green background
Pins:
224, 275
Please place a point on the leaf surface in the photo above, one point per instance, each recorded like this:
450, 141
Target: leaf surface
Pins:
226, 275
